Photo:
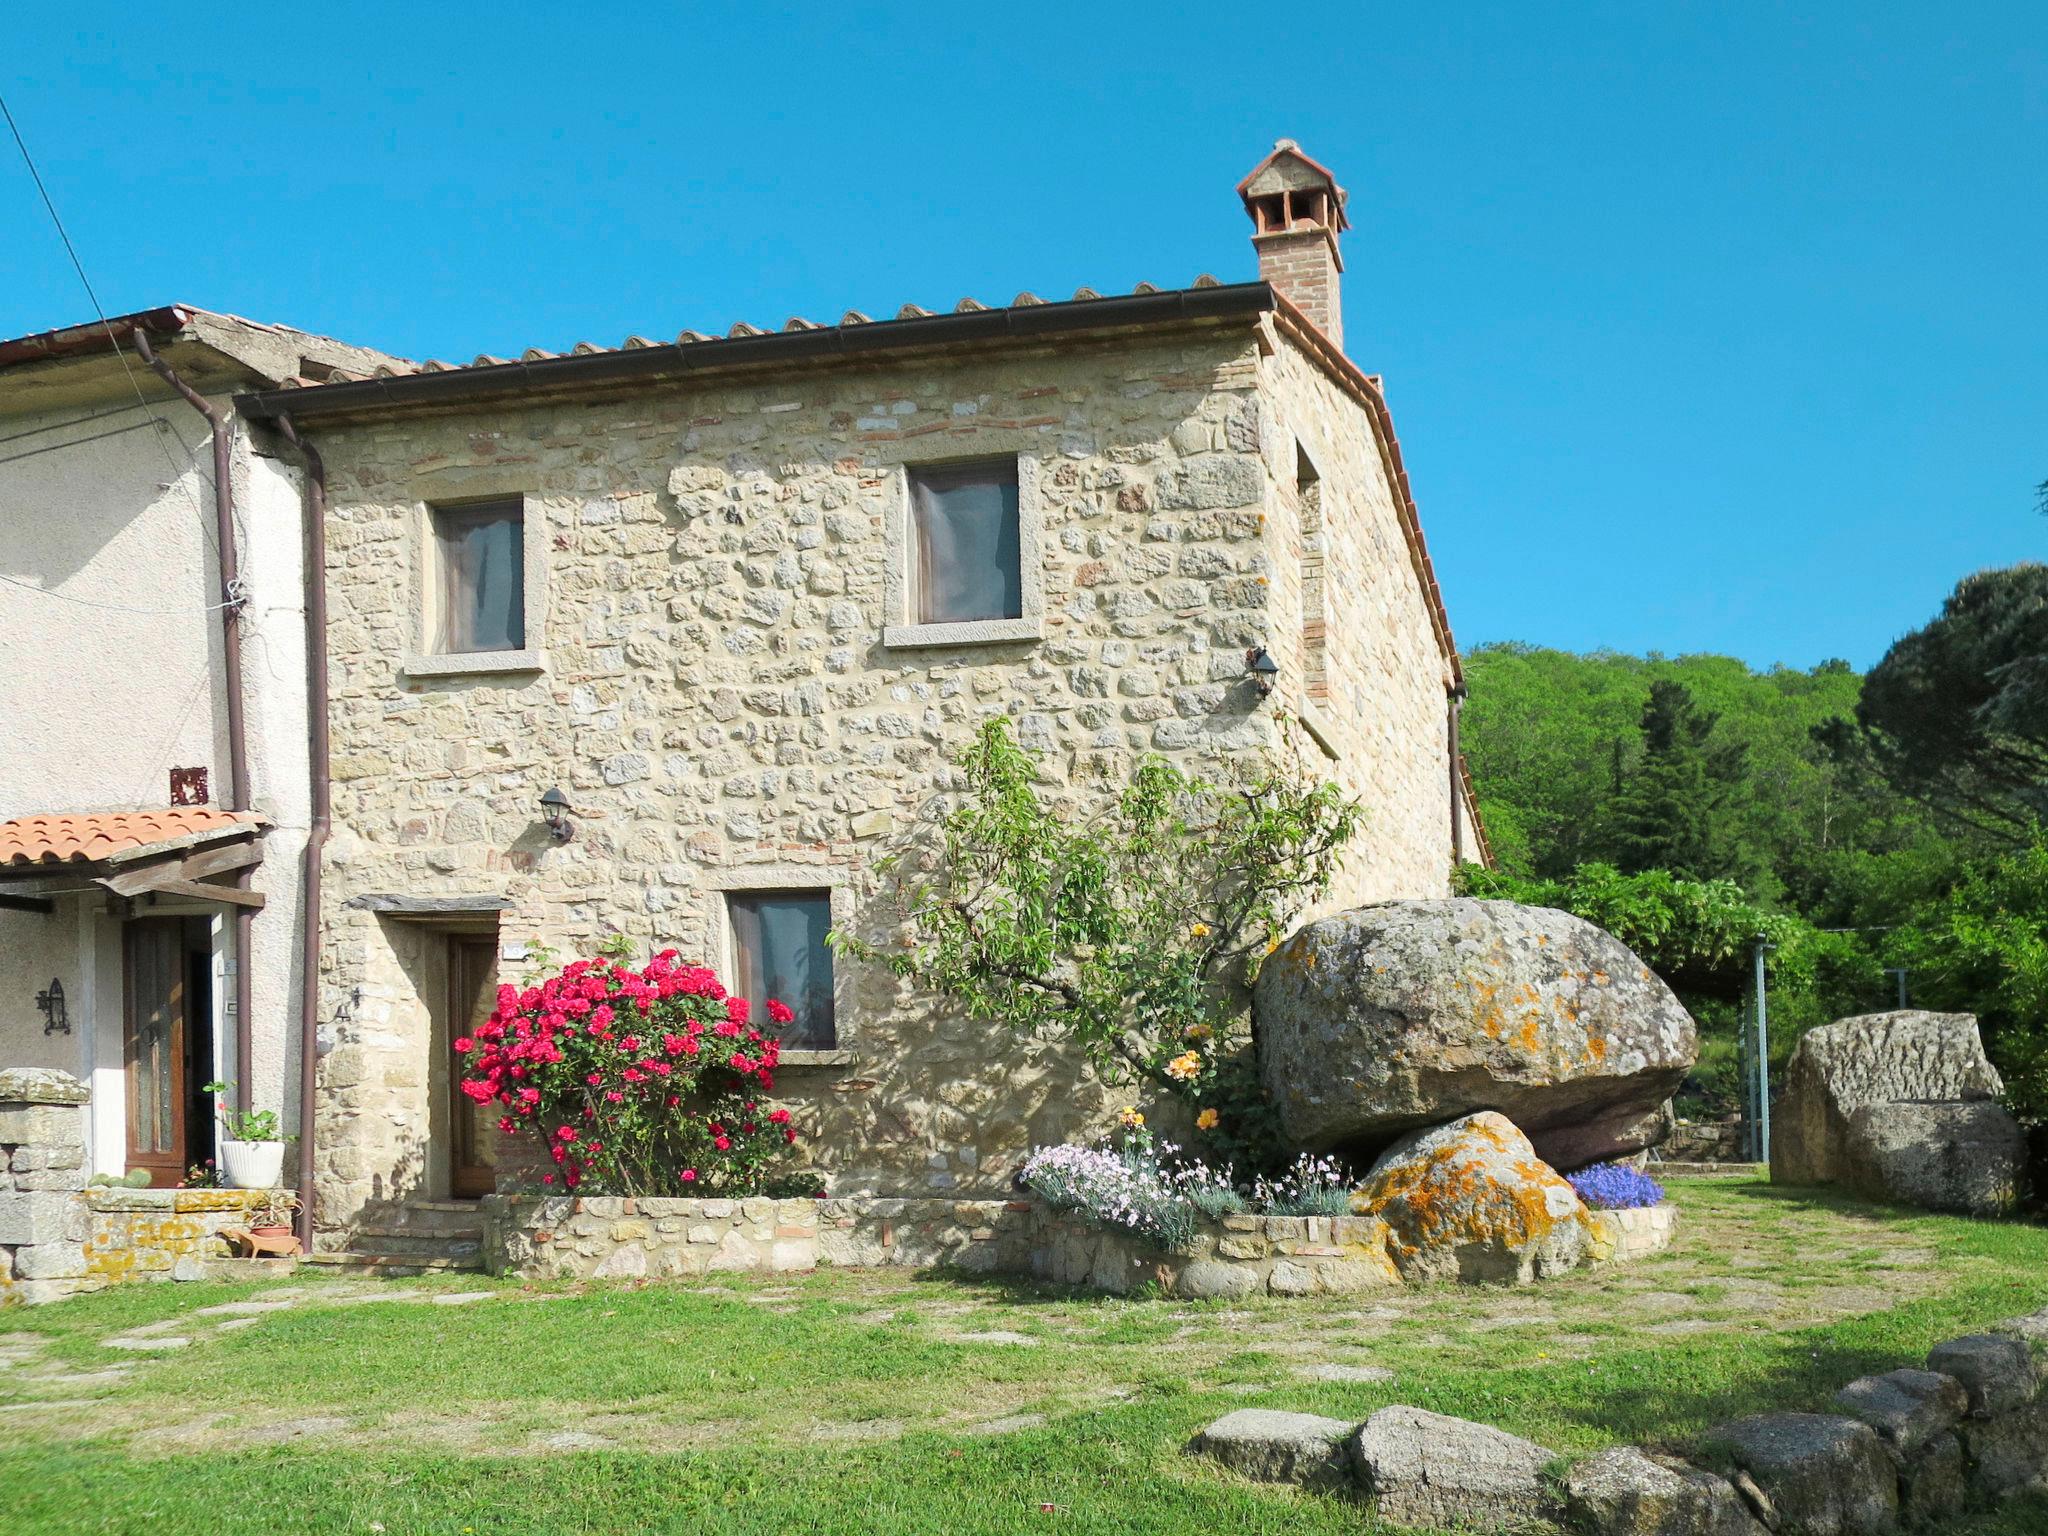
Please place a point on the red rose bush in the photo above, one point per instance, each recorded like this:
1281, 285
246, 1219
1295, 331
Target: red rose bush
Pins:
638, 1082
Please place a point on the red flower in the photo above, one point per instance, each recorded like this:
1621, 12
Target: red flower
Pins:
780, 1011
464, 1046
779, 1117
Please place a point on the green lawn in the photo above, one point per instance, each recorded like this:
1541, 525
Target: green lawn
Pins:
857, 1401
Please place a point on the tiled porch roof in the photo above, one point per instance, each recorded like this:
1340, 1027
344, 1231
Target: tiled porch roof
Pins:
95, 836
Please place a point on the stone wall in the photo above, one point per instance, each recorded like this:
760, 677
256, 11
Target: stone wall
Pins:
42, 1168
1382, 728
1621, 1237
609, 1237
58, 1237
718, 701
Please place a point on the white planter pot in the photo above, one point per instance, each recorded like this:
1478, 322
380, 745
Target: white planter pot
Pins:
252, 1164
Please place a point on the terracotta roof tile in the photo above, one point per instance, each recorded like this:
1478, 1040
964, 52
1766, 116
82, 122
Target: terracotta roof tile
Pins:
398, 367
86, 839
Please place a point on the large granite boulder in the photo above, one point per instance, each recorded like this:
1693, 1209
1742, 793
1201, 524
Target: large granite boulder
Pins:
1471, 1201
1379, 1020
1899, 1106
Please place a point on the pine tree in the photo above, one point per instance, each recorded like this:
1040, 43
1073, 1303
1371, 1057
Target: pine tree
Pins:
1678, 810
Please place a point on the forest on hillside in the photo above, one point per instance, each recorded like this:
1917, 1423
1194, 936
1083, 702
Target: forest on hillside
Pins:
1872, 828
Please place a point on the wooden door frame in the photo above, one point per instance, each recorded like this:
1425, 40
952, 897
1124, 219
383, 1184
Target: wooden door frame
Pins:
165, 1167
469, 1176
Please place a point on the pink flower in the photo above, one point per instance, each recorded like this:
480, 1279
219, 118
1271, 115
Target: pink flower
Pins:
780, 1011
464, 1046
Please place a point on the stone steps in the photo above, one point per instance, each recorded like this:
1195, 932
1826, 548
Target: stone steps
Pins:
393, 1266
1680, 1170
393, 1239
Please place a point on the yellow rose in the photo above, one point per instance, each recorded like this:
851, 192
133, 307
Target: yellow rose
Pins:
1200, 930
1199, 1031
1131, 1117
1206, 1120
1184, 1066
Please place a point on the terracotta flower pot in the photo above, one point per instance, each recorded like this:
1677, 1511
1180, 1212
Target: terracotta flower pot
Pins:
271, 1231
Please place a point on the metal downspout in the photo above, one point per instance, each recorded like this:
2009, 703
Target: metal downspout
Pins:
231, 676
320, 785
1457, 707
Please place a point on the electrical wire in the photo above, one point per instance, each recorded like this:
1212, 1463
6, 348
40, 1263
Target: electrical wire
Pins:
78, 266
236, 597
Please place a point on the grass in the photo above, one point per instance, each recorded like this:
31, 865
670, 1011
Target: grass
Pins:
857, 1401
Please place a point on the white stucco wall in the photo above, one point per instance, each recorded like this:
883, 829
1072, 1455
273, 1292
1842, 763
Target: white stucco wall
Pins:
99, 701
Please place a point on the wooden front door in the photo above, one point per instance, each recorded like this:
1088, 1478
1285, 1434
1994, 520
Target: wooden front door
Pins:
158, 1033
472, 994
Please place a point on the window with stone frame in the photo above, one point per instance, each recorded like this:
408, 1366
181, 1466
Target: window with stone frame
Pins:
476, 589
1308, 504
966, 564
779, 951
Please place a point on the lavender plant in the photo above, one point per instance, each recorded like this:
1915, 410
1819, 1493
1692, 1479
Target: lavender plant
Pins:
1611, 1187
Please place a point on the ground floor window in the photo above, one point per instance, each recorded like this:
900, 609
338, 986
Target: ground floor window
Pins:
779, 951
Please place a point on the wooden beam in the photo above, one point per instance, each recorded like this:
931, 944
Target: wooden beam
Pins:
190, 866
41, 904
234, 896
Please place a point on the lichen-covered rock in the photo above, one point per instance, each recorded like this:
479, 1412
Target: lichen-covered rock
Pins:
1625, 1492
1383, 1019
1813, 1473
1471, 1201
1906, 1057
1934, 1485
1969, 1157
1275, 1447
1427, 1469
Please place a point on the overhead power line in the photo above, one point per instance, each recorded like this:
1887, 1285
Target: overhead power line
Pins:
78, 266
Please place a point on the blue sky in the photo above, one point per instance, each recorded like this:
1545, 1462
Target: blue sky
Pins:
1706, 327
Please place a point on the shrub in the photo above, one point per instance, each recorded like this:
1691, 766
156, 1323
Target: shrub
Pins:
640, 1082
1129, 926
1611, 1187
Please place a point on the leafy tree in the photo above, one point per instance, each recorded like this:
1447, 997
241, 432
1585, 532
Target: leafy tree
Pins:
1675, 812
1984, 950
1127, 928
1956, 715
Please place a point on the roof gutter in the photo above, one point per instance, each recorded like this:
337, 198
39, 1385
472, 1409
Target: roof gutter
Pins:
677, 359
320, 787
231, 599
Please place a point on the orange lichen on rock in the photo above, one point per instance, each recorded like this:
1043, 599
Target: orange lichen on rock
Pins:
1472, 1201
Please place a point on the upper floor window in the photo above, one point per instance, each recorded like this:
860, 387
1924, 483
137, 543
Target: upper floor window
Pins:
478, 582
779, 952
968, 549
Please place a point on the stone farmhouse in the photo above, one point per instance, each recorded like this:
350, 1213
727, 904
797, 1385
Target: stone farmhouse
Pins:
678, 639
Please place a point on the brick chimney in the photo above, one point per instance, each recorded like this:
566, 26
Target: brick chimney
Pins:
1297, 212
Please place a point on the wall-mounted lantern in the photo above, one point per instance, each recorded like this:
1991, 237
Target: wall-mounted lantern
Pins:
554, 810
50, 1003
1262, 669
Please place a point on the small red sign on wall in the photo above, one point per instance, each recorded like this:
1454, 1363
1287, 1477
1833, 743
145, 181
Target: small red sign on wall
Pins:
188, 786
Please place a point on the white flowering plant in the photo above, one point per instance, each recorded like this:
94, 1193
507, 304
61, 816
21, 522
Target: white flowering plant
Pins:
1153, 1190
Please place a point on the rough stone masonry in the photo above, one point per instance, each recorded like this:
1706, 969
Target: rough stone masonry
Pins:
714, 568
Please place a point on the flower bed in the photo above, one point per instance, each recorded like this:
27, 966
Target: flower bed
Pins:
1234, 1255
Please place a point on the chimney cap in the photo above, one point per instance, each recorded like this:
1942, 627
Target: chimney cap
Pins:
1289, 169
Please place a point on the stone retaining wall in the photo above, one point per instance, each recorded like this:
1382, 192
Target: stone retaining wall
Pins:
1621, 1237
604, 1237
1913, 1449
58, 1237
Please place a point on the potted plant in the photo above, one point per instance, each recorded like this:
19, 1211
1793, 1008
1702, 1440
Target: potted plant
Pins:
273, 1218
252, 1145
